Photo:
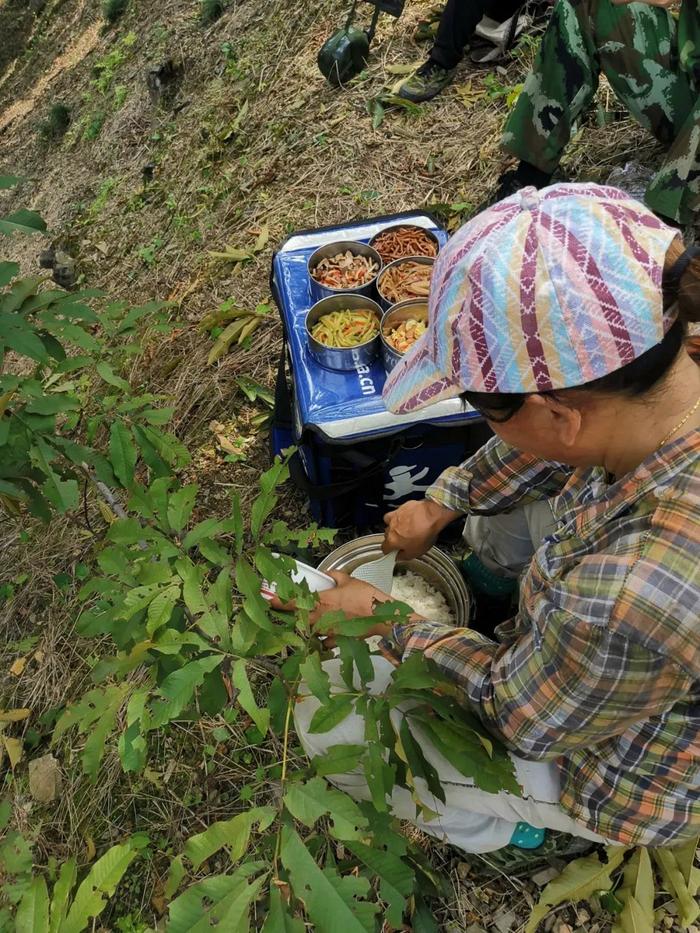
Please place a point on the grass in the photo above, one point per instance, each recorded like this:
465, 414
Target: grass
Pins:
301, 156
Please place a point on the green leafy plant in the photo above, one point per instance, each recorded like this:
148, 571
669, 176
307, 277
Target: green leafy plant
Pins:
29, 905
210, 11
56, 124
113, 9
93, 125
53, 346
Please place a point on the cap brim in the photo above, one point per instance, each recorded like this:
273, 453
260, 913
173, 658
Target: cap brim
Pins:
416, 381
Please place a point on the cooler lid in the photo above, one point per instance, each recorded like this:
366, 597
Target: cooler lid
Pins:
343, 406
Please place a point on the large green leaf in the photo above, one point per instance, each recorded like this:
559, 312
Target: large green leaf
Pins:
579, 880
278, 919
19, 336
15, 854
685, 858
160, 609
63, 494
22, 221
309, 801
315, 678
100, 732
234, 834
245, 698
61, 893
338, 759
109, 376
33, 911
267, 498
355, 655
675, 884
100, 884
53, 404
637, 896
395, 878
8, 270
192, 576
221, 901
417, 762
122, 453
179, 687
19, 293
180, 506
332, 903
329, 714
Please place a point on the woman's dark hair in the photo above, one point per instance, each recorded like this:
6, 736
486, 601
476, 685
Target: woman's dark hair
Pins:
681, 289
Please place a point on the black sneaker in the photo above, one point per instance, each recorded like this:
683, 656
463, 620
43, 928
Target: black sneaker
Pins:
427, 82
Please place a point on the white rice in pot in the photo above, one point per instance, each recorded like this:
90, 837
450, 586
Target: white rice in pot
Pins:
423, 598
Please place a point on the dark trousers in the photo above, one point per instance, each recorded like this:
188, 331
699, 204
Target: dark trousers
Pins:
457, 24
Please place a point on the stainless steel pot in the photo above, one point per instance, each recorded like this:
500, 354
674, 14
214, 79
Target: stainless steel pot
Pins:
319, 291
342, 358
412, 308
428, 233
435, 567
387, 303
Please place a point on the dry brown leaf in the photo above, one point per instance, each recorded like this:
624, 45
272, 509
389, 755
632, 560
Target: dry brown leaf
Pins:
18, 666
44, 779
261, 241
15, 715
226, 445
106, 512
14, 750
406, 69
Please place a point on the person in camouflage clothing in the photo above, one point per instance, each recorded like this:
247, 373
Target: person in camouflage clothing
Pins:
651, 59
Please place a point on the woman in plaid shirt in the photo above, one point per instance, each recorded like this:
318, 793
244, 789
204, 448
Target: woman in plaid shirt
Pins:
561, 315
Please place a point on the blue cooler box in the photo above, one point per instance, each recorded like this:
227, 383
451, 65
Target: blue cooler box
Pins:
355, 459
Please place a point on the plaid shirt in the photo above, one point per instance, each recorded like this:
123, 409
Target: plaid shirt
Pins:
599, 670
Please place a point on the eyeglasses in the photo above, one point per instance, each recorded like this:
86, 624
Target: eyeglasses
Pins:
510, 406
495, 417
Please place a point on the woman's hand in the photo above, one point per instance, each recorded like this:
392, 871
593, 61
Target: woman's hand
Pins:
412, 529
355, 598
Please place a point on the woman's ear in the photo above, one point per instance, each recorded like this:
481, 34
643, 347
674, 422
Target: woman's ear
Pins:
561, 419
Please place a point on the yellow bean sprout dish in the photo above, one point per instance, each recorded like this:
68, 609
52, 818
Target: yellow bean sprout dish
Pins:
346, 328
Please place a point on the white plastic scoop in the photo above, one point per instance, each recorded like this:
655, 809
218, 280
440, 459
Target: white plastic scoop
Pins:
317, 580
379, 573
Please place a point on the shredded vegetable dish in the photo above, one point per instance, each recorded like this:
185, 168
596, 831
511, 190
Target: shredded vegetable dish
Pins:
406, 280
345, 270
404, 241
346, 328
404, 335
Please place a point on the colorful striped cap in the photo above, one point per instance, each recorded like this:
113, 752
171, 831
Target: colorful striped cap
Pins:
545, 290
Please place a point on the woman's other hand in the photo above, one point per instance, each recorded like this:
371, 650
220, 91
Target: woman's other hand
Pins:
412, 529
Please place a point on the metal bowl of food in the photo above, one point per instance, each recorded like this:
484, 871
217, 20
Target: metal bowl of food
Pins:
402, 325
343, 331
402, 240
434, 567
404, 279
344, 267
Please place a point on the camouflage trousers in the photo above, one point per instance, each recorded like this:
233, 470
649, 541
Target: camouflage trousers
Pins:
635, 47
